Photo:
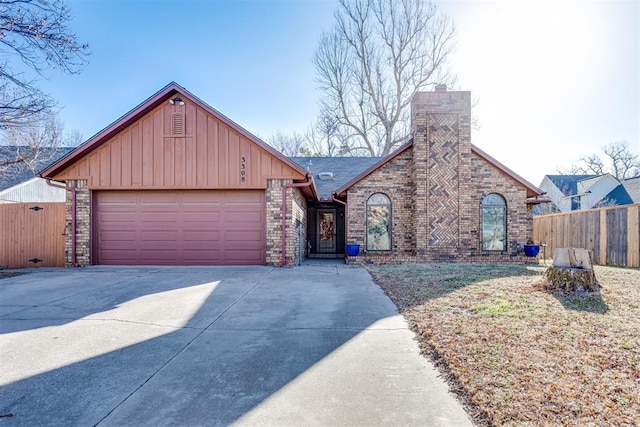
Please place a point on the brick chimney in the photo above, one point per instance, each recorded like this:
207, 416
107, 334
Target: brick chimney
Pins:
441, 123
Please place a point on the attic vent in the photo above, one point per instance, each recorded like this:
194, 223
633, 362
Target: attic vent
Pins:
177, 124
325, 175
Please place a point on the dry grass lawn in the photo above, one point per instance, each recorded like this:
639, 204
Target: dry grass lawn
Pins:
518, 355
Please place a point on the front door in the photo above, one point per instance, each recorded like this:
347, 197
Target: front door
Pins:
326, 232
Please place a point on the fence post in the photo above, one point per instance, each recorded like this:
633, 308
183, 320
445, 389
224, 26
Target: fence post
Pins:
633, 235
603, 237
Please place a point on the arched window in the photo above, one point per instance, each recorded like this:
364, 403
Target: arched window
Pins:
379, 222
494, 223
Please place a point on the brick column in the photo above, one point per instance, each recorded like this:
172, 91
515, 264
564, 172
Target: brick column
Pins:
296, 225
273, 200
295, 221
83, 224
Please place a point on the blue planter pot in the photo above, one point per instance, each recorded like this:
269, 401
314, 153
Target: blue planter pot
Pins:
352, 250
531, 250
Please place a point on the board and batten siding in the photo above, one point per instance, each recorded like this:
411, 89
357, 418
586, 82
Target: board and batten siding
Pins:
28, 234
208, 154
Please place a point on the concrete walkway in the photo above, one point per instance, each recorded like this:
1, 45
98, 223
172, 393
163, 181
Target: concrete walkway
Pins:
317, 345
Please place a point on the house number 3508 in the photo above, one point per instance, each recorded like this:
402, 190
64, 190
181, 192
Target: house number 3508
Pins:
243, 169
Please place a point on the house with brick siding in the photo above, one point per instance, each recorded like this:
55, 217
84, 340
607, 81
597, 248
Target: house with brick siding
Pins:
174, 181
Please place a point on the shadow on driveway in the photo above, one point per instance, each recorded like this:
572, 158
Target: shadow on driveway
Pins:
210, 346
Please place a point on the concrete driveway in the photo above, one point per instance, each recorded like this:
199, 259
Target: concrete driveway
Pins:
114, 346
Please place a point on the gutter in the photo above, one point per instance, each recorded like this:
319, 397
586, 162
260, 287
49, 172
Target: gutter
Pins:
283, 258
74, 261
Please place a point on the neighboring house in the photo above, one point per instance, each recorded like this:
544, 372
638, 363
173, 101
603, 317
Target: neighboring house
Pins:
18, 183
31, 191
576, 192
632, 185
176, 182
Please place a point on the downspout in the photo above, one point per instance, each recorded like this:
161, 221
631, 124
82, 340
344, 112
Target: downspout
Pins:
346, 217
74, 261
283, 259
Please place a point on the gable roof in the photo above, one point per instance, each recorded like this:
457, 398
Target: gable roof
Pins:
142, 109
619, 196
532, 190
381, 162
568, 184
343, 169
632, 185
15, 174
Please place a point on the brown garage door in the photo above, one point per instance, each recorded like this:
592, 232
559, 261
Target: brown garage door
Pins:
180, 227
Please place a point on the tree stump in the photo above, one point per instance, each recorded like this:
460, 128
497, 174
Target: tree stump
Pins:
572, 271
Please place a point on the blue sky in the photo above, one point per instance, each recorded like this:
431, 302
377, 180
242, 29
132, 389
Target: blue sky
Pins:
554, 79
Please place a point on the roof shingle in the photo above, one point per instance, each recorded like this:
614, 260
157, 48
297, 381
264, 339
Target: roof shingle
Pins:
15, 174
344, 169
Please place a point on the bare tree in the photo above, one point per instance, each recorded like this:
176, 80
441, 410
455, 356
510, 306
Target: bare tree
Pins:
33, 33
620, 162
624, 163
327, 137
73, 138
589, 165
607, 202
288, 144
379, 53
31, 145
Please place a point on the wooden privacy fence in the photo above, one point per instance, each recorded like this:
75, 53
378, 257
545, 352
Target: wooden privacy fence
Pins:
30, 232
613, 234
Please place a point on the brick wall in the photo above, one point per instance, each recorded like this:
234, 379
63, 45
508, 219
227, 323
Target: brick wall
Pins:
488, 179
83, 225
273, 200
296, 222
296, 226
437, 187
394, 180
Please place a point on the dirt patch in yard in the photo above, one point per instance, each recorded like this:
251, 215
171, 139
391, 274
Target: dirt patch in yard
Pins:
518, 355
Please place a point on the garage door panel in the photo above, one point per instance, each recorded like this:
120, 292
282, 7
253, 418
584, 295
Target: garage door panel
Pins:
202, 255
195, 199
110, 217
209, 236
160, 197
180, 227
126, 199
161, 235
201, 217
157, 207
117, 236
243, 217
239, 257
115, 209
155, 256
242, 236
159, 216
121, 256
